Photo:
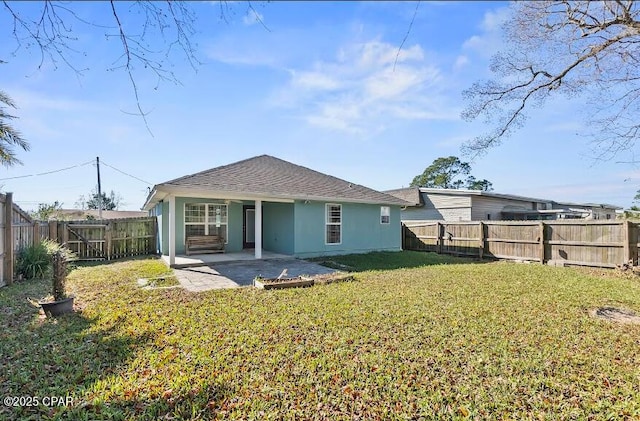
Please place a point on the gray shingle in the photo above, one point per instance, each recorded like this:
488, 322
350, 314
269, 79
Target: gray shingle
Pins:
408, 194
266, 175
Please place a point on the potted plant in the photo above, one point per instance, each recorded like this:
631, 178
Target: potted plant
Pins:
44, 259
61, 303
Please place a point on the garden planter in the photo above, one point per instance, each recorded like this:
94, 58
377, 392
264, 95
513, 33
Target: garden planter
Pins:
56, 308
332, 277
301, 281
272, 283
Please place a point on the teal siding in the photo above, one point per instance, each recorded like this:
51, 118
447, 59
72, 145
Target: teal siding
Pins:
361, 230
277, 227
295, 228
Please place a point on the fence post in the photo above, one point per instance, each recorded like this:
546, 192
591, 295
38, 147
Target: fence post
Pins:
53, 231
36, 232
107, 242
481, 242
626, 238
633, 243
439, 239
541, 249
65, 234
8, 238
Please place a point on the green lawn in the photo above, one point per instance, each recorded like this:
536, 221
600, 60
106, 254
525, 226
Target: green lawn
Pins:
420, 337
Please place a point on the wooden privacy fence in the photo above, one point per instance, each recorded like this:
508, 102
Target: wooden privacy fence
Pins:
89, 239
106, 239
582, 243
17, 230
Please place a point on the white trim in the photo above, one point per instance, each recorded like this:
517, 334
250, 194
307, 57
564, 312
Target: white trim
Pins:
172, 230
387, 214
258, 228
327, 223
206, 220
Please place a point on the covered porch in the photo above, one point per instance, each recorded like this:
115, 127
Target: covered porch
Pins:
247, 255
253, 228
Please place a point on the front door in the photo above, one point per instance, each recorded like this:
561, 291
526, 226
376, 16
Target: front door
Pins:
249, 227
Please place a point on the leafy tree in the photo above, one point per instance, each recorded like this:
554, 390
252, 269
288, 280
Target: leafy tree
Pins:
564, 48
9, 136
111, 202
484, 184
449, 173
45, 210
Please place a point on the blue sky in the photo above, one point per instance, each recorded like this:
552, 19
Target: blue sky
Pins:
318, 88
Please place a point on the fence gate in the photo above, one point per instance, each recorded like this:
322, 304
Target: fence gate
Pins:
87, 241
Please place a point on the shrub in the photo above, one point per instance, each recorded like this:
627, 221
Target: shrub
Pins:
35, 261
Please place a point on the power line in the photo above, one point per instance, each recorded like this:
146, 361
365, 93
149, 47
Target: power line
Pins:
129, 175
48, 172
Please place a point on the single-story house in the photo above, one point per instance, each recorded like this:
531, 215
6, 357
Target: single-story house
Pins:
268, 203
428, 204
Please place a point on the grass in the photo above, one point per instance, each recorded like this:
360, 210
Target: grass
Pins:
388, 260
418, 337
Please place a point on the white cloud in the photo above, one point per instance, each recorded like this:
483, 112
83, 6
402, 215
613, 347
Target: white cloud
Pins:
314, 81
252, 17
493, 19
365, 87
490, 39
461, 61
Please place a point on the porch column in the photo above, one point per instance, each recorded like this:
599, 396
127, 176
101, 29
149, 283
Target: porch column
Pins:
258, 224
172, 230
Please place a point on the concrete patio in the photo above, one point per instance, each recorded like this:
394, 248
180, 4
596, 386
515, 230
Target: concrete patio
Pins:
234, 270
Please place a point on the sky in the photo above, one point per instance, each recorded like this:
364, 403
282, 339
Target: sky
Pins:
368, 92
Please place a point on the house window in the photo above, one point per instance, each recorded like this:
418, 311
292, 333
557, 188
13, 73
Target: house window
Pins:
385, 214
205, 219
333, 223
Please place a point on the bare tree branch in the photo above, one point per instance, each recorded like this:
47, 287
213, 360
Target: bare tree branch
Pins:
569, 48
148, 31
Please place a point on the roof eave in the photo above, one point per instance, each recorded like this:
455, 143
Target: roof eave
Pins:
185, 191
155, 196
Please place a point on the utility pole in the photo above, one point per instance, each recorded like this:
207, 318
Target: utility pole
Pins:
99, 189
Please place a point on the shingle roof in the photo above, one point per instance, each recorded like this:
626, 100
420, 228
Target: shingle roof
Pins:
266, 175
408, 194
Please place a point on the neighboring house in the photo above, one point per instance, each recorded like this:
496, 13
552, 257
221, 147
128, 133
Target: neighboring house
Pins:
271, 204
476, 205
591, 210
77, 214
